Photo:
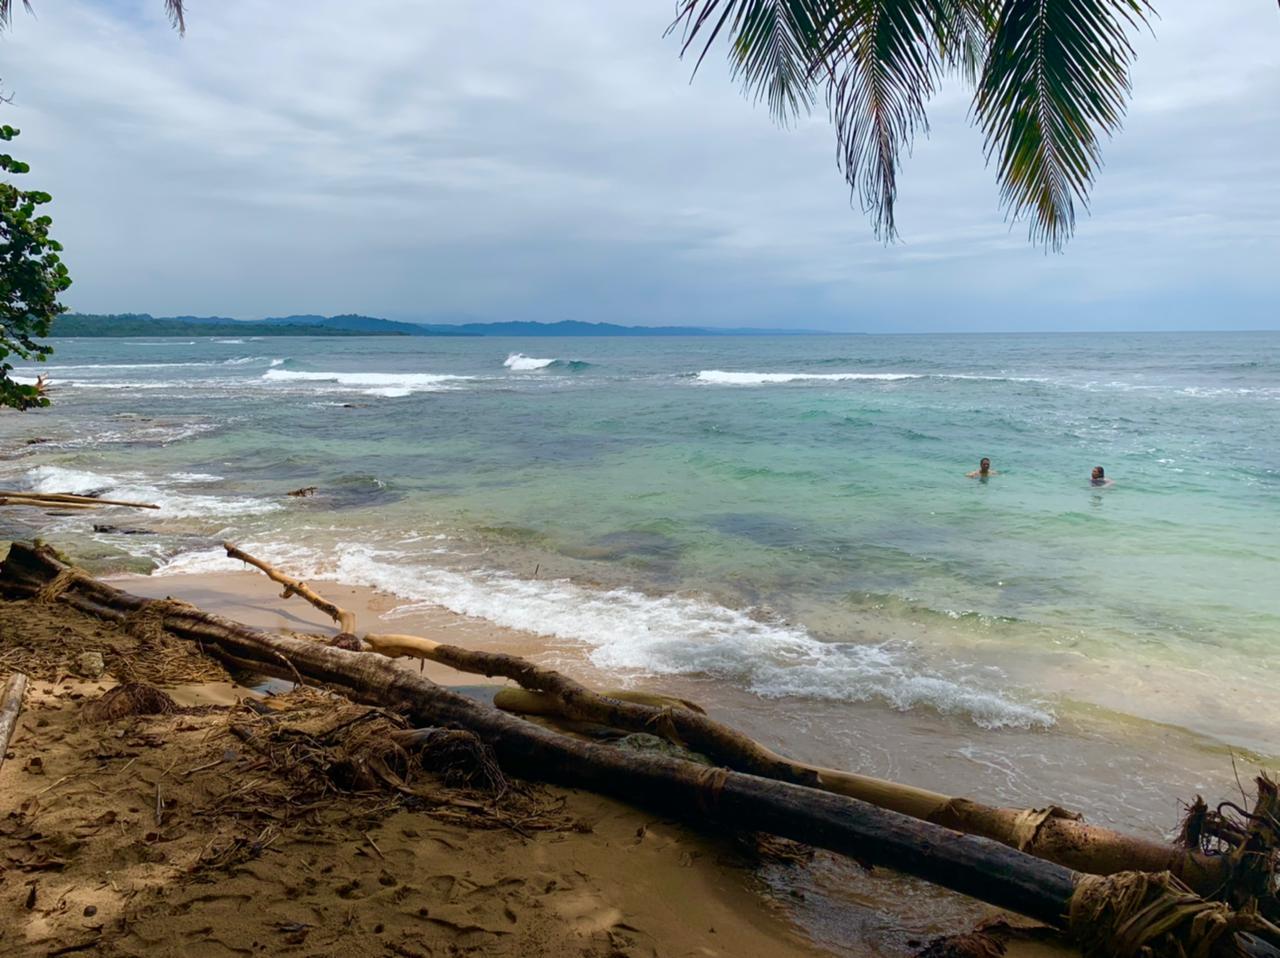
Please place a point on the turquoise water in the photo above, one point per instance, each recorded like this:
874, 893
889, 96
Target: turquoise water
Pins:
789, 516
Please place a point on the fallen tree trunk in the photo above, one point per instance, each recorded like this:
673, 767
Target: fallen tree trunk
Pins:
1109, 916
10, 709
1050, 833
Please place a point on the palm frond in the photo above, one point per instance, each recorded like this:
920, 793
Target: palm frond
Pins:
884, 58
1056, 78
6, 11
177, 15
772, 45
965, 29
173, 8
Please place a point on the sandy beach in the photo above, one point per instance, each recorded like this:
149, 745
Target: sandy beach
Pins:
164, 834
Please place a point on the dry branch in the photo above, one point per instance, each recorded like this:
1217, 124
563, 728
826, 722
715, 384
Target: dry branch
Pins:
346, 620
64, 499
10, 708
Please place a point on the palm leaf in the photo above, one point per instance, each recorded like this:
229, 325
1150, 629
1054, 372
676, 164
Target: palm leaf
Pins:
177, 15
173, 8
6, 11
965, 28
884, 59
1055, 80
772, 43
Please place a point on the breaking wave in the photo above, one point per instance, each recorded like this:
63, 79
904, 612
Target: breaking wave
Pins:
632, 633
388, 385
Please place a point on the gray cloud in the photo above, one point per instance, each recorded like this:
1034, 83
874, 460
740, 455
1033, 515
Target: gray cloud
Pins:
551, 160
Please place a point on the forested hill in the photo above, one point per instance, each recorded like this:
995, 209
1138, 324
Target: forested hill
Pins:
83, 324
144, 324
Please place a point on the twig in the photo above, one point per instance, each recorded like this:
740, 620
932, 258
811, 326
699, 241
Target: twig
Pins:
201, 768
54, 785
370, 840
1236, 772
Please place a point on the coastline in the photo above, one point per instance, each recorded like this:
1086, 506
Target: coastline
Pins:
632, 884
618, 882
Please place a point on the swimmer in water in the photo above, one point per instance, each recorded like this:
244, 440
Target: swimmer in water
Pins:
1099, 478
984, 470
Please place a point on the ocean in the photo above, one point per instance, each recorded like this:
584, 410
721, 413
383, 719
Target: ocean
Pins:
783, 525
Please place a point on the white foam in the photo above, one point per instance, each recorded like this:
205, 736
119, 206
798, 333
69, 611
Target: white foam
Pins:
519, 362
721, 378
135, 488
230, 342
632, 633
81, 368
371, 384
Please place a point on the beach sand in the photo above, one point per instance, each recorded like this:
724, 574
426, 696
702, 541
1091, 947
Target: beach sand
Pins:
166, 835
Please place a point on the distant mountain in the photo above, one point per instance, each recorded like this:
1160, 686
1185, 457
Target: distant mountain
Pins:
144, 324
367, 325
570, 327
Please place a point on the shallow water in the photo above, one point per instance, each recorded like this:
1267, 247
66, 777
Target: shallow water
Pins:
789, 516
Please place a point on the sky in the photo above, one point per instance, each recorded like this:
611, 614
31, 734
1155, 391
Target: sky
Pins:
510, 160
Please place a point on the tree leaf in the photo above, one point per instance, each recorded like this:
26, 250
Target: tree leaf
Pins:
1055, 80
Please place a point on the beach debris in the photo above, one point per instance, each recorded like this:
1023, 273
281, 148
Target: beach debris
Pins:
132, 698
461, 757
10, 708
990, 939
1052, 833
63, 500
303, 492
346, 620
1128, 913
1248, 840
90, 665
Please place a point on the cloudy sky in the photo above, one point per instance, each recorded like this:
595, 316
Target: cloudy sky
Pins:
551, 160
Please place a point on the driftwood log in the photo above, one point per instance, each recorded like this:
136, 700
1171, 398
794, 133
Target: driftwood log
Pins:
10, 709
1051, 833
63, 500
1128, 914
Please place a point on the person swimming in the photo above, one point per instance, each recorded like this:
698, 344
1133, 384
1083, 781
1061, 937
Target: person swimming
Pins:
1099, 477
984, 470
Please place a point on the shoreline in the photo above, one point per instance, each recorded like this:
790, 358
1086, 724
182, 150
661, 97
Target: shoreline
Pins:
1118, 769
620, 881
631, 884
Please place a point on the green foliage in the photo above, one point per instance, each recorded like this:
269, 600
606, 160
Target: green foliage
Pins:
1051, 78
32, 276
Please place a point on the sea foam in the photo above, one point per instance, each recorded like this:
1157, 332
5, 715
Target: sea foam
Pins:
172, 504
373, 384
630, 633
721, 378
